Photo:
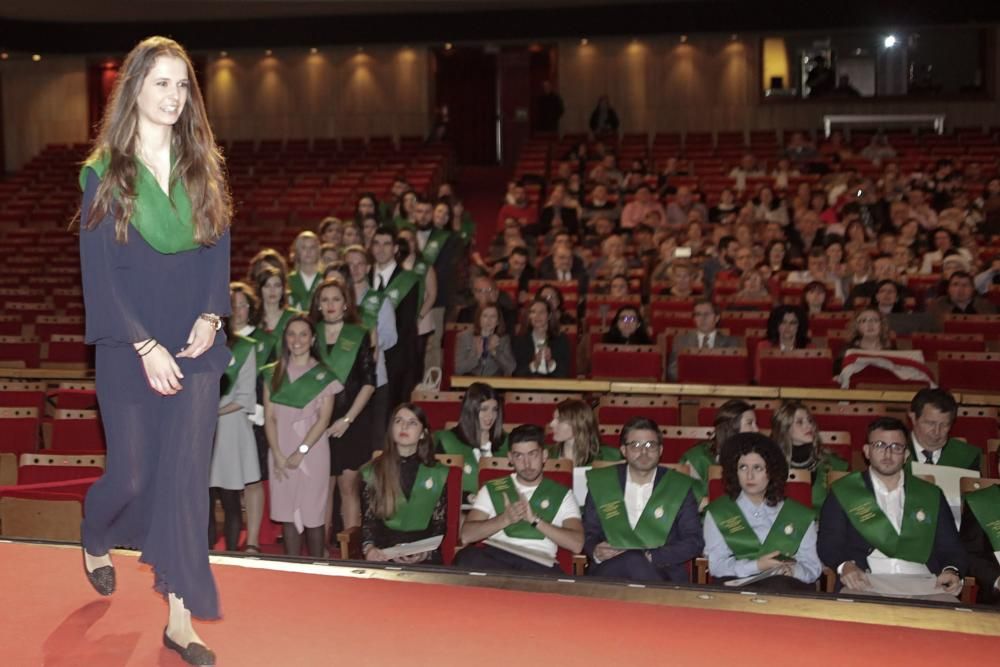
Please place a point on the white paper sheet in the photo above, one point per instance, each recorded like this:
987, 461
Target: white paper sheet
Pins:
743, 581
904, 585
410, 548
948, 479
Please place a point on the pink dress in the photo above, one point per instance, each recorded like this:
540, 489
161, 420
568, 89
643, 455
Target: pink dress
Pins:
301, 499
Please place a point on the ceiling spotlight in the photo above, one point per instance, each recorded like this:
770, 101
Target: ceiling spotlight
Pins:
360, 49
36, 57
4, 55
584, 42
733, 37
448, 46
684, 39
269, 53
223, 54
890, 41
314, 50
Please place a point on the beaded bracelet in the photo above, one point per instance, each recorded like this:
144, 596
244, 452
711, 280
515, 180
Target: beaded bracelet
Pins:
146, 348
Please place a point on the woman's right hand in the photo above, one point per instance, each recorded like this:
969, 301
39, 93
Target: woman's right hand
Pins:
279, 472
375, 554
771, 560
162, 372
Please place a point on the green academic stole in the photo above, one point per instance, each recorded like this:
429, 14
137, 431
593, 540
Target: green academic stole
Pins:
985, 505
609, 454
301, 297
920, 515
240, 350
400, 286
435, 242
468, 227
164, 222
545, 502
827, 463
960, 454
657, 518
700, 458
414, 513
340, 357
785, 535
420, 268
371, 303
267, 341
298, 394
449, 443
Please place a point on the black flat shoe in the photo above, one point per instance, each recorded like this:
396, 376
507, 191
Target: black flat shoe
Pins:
193, 653
102, 579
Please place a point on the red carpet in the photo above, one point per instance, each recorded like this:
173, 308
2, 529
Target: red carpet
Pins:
52, 617
482, 190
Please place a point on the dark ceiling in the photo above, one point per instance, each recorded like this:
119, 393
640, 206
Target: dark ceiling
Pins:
71, 26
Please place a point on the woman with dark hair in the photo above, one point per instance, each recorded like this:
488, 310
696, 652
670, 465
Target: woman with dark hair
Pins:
275, 314
628, 328
776, 256
405, 498
264, 258
734, 416
479, 432
796, 432
485, 349
543, 350
753, 528
888, 297
366, 207
154, 254
298, 403
814, 298
555, 300
235, 466
787, 330
346, 347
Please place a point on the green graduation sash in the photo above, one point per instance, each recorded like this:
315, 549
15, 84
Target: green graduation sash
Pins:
657, 518
164, 222
985, 505
956, 453
340, 357
829, 462
301, 297
449, 443
468, 227
435, 242
395, 291
785, 535
414, 513
606, 453
371, 303
700, 458
545, 502
267, 341
298, 394
240, 351
915, 540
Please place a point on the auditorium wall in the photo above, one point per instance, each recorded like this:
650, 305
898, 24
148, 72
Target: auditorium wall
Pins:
709, 82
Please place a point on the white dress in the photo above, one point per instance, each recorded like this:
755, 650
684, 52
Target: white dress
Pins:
234, 459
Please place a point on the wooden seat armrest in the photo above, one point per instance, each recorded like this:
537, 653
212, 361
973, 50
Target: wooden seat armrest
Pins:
350, 543
701, 570
829, 580
969, 591
579, 564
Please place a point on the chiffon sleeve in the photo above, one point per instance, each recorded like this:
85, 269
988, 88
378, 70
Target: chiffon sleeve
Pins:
216, 263
110, 316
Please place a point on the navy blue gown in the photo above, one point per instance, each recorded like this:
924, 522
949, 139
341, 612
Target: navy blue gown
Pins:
153, 495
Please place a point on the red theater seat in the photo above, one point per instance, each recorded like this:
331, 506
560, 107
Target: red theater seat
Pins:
977, 425
52, 466
977, 371
19, 427
713, 366
852, 417
618, 409
797, 368
532, 408
933, 343
77, 431
987, 325
626, 362
440, 406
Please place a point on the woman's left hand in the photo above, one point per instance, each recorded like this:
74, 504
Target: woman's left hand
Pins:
199, 340
339, 428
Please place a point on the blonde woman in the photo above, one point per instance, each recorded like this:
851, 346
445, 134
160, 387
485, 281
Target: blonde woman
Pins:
796, 432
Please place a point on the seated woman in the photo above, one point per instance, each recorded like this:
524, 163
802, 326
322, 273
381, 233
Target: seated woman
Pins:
485, 350
298, 403
554, 298
577, 437
405, 497
796, 432
815, 298
618, 287
682, 276
752, 288
734, 416
787, 329
888, 298
782, 532
479, 432
628, 328
868, 330
543, 351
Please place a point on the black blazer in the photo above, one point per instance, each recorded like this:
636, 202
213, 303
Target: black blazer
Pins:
446, 268
684, 542
983, 564
407, 346
839, 541
524, 354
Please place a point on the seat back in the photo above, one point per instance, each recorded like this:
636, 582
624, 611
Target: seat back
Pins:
713, 366
618, 409
77, 431
440, 406
975, 371
931, 344
19, 427
853, 418
532, 407
977, 425
626, 362
796, 368
51, 466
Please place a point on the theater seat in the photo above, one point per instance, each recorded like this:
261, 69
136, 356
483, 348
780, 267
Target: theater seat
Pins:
440, 406
977, 425
978, 371
713, 366
618, 409
19, 427
626, 362
77, 431
931, 344
46, 511
796, 368
51, 466
851, 417
532, 408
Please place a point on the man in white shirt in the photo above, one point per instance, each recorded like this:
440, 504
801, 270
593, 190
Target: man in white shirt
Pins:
886, 522
535, 517
640, 520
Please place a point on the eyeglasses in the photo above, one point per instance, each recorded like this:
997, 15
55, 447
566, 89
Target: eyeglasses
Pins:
638, 445
628, 319
894, 447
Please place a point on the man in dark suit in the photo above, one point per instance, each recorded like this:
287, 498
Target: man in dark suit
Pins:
640, 521
442, 249
885, 522
932, 414
485, 292
562, 264
404, 361
705, 335
982, 547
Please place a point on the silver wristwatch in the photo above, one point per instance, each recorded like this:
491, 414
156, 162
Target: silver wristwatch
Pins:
303, 448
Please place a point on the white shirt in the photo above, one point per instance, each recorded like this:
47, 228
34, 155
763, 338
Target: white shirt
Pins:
422, 237
706, 340
919, 449
568, 509
384, 274
636, 497
307, 279
891, 503
543, 367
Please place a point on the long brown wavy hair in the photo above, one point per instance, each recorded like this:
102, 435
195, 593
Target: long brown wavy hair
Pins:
351, 311
586, 434
279, 370
199, 163
385, 468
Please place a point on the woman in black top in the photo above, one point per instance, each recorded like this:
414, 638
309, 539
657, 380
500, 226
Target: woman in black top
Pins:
628, 328
543, 350
345, 346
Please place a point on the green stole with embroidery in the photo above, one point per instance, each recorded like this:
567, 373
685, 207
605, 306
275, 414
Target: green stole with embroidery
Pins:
435, 243
240, 350
301, 297
267, 341
299, 393
985, 506
164, 222
827, 463
414, 513
545, 502
700, 459
785, 535
449, 443
657, 518
340, 356
915, 540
